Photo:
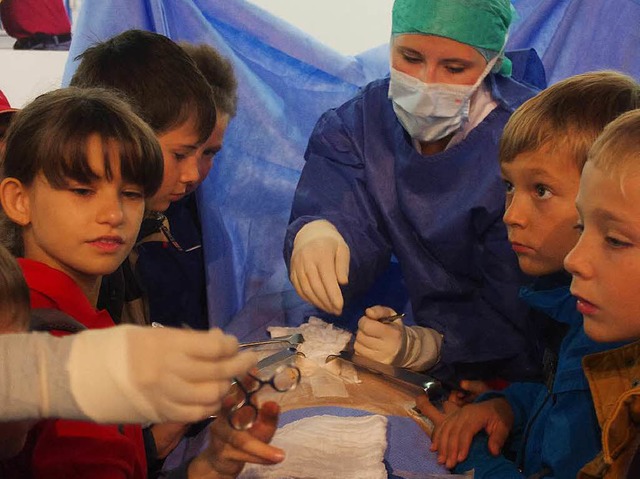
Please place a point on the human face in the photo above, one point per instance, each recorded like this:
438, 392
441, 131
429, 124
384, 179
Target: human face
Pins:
605, 262
207, 152
433, 59
540, 212
180, 152
85, 230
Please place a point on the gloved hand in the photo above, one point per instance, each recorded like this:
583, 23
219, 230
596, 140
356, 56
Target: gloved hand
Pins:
127, 373
412, 347
378, 341
319, 265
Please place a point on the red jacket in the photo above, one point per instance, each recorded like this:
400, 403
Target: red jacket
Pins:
73, 449
23, 18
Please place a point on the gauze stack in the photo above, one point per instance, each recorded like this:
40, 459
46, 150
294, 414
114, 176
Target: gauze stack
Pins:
327, 447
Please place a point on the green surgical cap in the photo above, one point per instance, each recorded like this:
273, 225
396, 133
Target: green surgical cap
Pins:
482, 24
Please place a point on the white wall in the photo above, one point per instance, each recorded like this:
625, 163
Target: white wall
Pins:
348, 26
26, 74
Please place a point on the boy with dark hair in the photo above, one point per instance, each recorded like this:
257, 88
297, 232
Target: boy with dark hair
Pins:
173, 273
551, 428
219, 73
160, 81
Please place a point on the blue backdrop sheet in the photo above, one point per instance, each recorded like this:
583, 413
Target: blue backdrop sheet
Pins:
286, 81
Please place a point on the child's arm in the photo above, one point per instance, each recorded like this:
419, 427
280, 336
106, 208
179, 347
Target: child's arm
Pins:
477, 455
499, 414
229, 450
455, 428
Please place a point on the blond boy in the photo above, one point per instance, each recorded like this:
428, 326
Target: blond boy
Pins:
605, 265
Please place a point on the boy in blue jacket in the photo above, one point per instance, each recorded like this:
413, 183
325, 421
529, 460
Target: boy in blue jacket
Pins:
550, 429
605, 265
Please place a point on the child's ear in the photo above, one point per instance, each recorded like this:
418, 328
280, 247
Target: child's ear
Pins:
14, 198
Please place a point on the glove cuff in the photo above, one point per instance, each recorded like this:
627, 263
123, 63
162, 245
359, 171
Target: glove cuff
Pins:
315, 229
420, 348
100, 377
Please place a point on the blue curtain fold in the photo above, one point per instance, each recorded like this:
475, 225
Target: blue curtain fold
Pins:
287, 80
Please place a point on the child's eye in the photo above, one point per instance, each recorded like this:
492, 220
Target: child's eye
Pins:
81, 191
133, 194
179, 156
508, 186
208, 155
542, 191
579, 228
615, 242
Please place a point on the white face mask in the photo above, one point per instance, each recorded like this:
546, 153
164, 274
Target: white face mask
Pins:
431, 111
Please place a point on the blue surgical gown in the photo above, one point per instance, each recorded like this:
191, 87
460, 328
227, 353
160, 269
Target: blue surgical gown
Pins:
440, 215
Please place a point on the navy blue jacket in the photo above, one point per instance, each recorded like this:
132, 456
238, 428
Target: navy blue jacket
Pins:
173, 281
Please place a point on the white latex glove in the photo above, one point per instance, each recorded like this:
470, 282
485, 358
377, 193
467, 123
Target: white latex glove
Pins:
127, 373
378, 341
412, 347
319, 265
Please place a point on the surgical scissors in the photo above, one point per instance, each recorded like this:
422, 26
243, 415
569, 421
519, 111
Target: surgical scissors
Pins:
244, 412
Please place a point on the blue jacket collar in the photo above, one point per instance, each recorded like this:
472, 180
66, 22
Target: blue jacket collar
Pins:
550, 294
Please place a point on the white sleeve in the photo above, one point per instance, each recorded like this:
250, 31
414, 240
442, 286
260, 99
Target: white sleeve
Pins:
34, 379
124, 374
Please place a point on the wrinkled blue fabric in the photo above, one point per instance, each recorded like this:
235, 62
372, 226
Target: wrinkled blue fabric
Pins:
559, 428
440, 215
287, 80
576, 36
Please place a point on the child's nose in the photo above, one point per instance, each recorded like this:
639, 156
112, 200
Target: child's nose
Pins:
514, 213
111, 212
190, 172
574, 262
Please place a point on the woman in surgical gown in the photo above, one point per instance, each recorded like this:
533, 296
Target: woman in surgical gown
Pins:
409, 167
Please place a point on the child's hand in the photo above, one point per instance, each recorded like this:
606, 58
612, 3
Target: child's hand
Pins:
455, 428
469, 391
229, 449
